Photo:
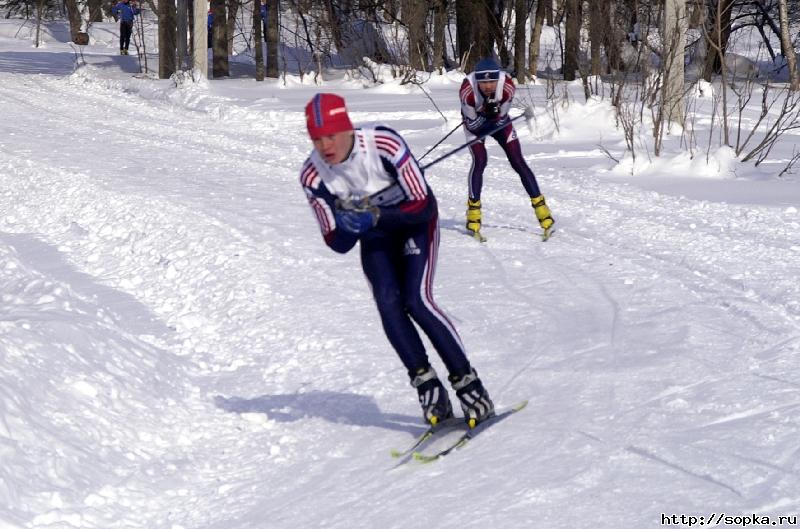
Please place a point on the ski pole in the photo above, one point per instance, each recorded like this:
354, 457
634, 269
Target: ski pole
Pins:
440, 141
528, 114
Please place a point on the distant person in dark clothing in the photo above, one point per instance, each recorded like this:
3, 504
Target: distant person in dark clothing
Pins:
264, 13
126, 12
210, 24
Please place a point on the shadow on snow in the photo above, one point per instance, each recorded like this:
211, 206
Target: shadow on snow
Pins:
332, 406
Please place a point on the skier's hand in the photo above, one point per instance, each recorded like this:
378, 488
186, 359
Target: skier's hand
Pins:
356, 218
491, 109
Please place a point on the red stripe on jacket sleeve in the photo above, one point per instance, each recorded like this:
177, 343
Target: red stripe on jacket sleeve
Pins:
414, 182
466, 93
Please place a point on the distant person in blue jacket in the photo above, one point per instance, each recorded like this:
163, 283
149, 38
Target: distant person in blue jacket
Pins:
264, 20
126, 11
210, 25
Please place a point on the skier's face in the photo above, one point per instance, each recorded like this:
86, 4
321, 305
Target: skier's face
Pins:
487, 87
336, 147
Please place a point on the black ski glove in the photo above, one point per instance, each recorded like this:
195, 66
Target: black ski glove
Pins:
491, 109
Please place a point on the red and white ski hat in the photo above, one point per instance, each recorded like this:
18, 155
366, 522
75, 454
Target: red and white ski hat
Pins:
326, 114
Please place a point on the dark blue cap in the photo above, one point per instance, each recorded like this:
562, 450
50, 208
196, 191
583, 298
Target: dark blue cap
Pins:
487, 69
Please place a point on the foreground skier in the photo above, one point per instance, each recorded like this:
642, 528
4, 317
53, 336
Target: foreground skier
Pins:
364, 185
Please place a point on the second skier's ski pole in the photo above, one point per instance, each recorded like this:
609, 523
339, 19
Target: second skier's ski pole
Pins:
440, 141
528, 114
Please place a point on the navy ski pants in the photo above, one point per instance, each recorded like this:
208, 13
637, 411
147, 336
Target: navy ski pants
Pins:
125, 31
400, 267
507, 138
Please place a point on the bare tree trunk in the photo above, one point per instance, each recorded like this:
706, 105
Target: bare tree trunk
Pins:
520, 23
439, 24
674, 36
464, 33
138, 23
414, 14
597, 28
631, 9
273, 38
766, 18
39, 12
258, 45
95, 10
74, 15
333, 20
474, 37
572, 39
696, 16
183, 23
230, 23
786, 44
219, 40
166, 38
536, 37
548, 12
716, 41
611, 36
496, 8
718, 30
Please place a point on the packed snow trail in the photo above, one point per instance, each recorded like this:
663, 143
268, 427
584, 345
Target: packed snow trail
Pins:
172, 320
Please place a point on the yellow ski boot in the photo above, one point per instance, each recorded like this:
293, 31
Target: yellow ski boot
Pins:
474, 219
543, 215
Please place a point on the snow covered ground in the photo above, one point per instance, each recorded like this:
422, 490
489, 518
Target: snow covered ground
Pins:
179, 349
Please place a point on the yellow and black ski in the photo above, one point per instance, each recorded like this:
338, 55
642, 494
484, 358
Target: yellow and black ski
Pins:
468, 434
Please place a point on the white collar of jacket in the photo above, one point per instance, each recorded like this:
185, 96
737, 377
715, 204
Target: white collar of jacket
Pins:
362, 174
498, 92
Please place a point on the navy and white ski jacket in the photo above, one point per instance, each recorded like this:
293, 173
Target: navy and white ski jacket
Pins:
126, 11
380, 168
473, 103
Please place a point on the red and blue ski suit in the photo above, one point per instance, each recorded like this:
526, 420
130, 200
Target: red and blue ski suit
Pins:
477, 123
399, 254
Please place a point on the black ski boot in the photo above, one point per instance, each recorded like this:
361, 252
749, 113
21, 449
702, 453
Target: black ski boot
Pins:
475, 401
433, 396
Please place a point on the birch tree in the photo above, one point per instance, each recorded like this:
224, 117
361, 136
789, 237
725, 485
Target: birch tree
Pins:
200, 38
788, 48
674, 36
